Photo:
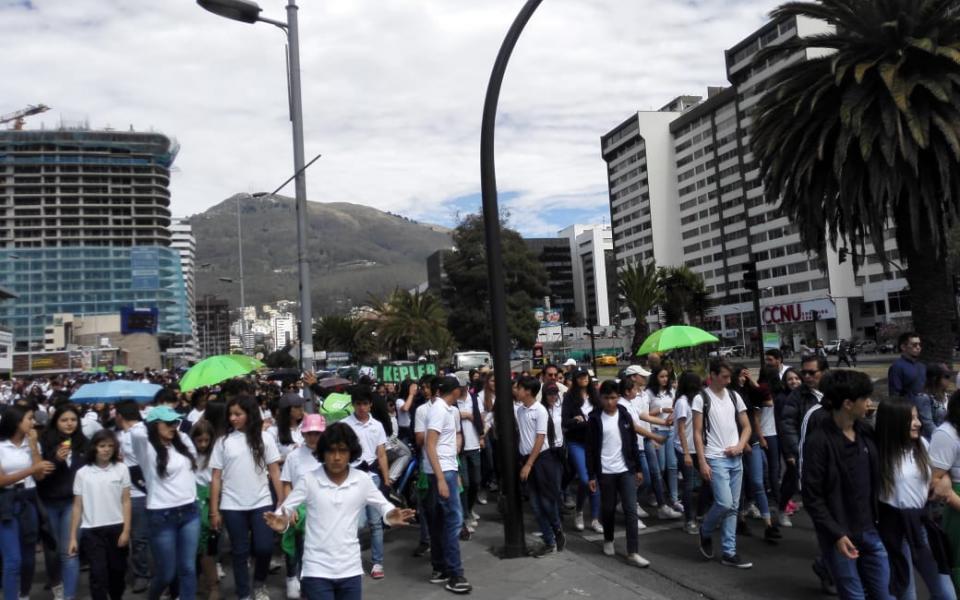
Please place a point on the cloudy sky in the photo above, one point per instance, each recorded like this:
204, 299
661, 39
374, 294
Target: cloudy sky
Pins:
392, 92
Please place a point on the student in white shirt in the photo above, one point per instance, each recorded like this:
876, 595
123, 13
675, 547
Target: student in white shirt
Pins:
445, 511
688, 387
20, 463
660, 390
127, 419
166, 459
335, 496
287, 429
203, 437
613, 468
420, 411
404, 404
541, 469
373, 460
719, 448
245, 463
472, 427
101, 513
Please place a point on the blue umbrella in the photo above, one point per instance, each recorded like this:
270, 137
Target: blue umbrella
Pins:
115, 391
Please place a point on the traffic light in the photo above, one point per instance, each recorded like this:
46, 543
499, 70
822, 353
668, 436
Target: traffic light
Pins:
750, 277
843, 255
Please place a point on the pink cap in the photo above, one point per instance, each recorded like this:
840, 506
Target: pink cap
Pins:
313, 423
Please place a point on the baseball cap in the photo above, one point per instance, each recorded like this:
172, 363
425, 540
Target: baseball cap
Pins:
312, 423
291, 399
448, 384
636, 370
570, 363
163, 414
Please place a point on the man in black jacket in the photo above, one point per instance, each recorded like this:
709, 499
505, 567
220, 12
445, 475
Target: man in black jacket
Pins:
795, 407
841, 483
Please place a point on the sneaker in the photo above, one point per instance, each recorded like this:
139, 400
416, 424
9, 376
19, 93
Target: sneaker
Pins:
637, 560
260, 593
641, 513
465, 534
474, 516
578, 521
377, 572
220, 574
608, 548
826, 580
561, 540
482, 497
293, 588
677, 506
641, 524
472, 525
544, 550
772, 534
753, 512
57, 591
734, 560
691, 527
791, 508
596, 526
706, 546
458, 584
421, 550
784, 520
140, 585
667, 513
276, 563
569, 502
438, 577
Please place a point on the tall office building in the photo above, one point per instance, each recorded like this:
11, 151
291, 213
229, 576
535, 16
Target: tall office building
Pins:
213, 325
183, 241
85, 228
687, 173
554, 255
594, 272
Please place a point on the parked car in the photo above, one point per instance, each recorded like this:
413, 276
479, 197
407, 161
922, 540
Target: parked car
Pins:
886, 348
867, 347
834, 346
607, 361
723, 352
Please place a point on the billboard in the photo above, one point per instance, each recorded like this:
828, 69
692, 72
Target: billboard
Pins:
138, 320
547, 316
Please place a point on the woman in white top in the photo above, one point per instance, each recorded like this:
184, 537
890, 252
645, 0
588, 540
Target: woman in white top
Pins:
20, 463
203, 436
102, 516
245, 463
287, 429
688, 387
906, 479
166, 459
660, 391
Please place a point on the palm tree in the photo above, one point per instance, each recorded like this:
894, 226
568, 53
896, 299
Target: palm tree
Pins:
411, 322
866, 136
681, 287
344, 334
640, 289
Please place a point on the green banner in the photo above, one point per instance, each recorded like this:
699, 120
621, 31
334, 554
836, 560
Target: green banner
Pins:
397, 373
771, 340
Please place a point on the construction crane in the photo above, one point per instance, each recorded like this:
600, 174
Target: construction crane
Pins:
17, 117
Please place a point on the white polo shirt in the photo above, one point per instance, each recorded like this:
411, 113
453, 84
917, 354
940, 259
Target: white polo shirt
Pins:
445, 420
371, 434
331, 549
531, 422
17, 458
246, 486
102, 492
299, 462
420, 426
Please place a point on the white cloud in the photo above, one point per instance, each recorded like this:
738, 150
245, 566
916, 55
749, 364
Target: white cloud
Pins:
393, 91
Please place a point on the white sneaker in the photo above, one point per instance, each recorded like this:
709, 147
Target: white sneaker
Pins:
667, 513
482, 497
642, 513
260, 593
472, 524
608, 548
293, 588
753, 512
220, 573
57, 591
474, 516
578, 521
596, 526
641, 525
637, 560
784, 520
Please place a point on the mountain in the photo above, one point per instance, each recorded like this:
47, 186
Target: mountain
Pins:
354, 251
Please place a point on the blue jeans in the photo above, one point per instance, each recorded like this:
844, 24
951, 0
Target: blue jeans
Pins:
865, 577
58, 513
578, 456
753, 463
622, 486
938, 584
726, 480
650, 465
690, 481
543, 486
244, 526
18, 541
174, 537
139, 539
667, 462
317, 588
446, 520
374, 519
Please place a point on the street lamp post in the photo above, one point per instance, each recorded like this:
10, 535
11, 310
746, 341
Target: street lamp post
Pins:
246, 11
243, 302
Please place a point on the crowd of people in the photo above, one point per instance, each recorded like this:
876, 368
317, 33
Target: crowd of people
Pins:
146, 496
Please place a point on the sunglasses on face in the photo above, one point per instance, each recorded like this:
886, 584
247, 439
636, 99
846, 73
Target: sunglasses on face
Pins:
810, 372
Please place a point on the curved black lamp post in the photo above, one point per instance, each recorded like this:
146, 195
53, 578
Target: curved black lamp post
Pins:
514, 545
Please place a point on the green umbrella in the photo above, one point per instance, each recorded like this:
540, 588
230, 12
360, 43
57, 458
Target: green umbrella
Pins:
675, 336
213, 370
335, 407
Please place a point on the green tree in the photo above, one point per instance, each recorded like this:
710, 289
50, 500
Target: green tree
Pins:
683, 292
866, 136
280, 359
410, 322
467, 296
343, 334
639, 287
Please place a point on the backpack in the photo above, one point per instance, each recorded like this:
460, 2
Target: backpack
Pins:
734, 396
